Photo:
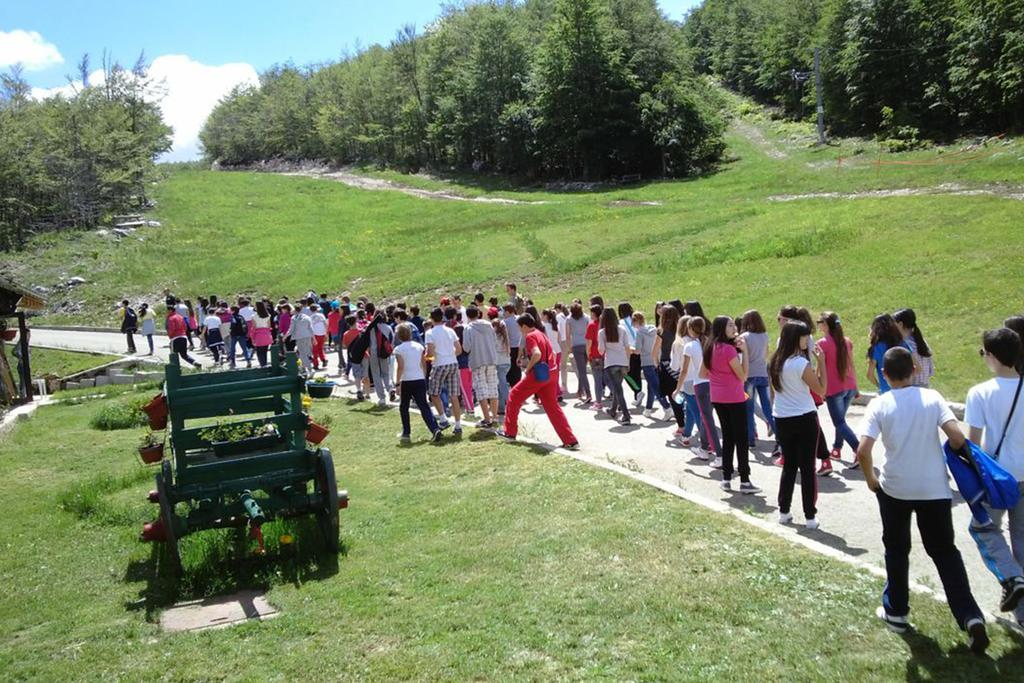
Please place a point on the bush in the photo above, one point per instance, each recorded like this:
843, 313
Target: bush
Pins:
120, 415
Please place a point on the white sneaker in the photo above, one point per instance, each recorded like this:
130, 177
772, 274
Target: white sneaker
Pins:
726, 485
383, 403
668, 415
812, 524
785, 517
648, 413
639, 399
717, 464
703, 454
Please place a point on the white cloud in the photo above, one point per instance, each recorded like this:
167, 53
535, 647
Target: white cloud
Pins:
189, 92
29, 49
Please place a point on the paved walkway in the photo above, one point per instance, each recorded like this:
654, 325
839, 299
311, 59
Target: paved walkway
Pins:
847, 509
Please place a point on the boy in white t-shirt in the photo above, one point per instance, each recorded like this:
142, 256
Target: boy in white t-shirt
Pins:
913, 481
995, 415
411, 379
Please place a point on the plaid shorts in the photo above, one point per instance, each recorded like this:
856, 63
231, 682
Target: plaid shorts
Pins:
485, 382
445, 377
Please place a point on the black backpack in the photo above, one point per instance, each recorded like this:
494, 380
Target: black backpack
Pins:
358, 348
131, 320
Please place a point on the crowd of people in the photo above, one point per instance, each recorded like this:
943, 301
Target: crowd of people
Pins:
713, 379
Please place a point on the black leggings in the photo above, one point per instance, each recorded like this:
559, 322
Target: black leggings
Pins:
667, 387
635, 374
733, 418
797, 437
261, 354
180, 347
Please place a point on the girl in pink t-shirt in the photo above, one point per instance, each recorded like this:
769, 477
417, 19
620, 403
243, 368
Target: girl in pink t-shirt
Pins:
842, 379
726, 366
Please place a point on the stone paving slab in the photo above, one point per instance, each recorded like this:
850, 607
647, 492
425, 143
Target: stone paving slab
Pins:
218, 612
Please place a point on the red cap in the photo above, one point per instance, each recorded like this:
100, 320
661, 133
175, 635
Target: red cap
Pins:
492, 312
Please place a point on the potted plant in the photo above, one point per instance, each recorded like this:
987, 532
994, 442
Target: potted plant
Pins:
151, 450
9, 334
317, 431
156, 411
320, 387
234, 438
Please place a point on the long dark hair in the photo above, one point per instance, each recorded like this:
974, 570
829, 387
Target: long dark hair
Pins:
625, 310
789, 346
907, 318
835, 330
753, 322
694, 309
717, 336
576, 311
884, 330
261, 310
669, 321
610, 325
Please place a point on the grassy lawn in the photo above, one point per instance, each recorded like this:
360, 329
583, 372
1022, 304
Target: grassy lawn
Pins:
955, 259
63, 363
473, 560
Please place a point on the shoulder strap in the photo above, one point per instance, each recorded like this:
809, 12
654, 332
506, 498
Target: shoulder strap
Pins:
1009, 417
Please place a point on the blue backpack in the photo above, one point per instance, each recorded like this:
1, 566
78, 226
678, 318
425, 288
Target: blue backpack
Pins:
981, 479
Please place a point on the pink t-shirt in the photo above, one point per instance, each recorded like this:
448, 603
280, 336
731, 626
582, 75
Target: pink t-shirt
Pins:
835, 384
726, 387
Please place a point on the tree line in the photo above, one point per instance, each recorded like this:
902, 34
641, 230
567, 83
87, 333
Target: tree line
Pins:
898, 68
71, 160
577, 89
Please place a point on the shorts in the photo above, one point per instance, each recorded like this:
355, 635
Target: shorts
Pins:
485, 382
445, 377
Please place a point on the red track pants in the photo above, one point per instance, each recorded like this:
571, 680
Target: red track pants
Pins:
547, 392
318, 350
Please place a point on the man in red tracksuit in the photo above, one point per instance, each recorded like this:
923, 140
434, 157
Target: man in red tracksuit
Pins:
537, 349
178, 334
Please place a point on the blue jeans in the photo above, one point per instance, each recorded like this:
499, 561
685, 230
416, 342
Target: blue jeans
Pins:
758, 387
693, 420
239, 341
653, 382
503, 369
838, 404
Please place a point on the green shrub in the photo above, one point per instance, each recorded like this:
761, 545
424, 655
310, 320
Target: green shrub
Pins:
125, 414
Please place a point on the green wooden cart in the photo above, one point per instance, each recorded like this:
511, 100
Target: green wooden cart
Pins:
208, 485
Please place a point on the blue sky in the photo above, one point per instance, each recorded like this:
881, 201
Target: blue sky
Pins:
216, 42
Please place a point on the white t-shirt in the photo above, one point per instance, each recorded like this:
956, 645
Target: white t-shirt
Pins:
694, 350
411, 354
988, 406
794, 399
247, 313
552, 334
908, 421
182, 310
319, 323
562, 327
675, 361
443, 338
212, 322
614, 352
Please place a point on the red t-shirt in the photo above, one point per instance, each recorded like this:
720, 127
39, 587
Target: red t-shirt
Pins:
539, 340
175, 326
591, 335
333, 322
835, 383
349, 336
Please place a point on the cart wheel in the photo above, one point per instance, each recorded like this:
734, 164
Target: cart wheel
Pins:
163, 480
326, 484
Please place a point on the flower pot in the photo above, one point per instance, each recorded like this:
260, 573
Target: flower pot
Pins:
315, 433
320, 389
152, 454
9, 334
222, 448
156, 411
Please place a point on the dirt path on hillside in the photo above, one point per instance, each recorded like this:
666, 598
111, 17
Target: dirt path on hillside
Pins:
756, 136
1015, 192
362, 182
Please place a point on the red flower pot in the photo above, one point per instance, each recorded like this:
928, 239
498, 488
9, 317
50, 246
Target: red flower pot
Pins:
152, 454
9, 334
156, 410
315, 433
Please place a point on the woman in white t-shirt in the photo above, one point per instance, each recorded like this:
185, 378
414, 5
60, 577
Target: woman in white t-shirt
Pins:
793, 378
613, 345
411, 377
697, 390
214, 342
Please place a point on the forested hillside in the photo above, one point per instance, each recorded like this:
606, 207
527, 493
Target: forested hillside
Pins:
565, 88
899, 68
69, 160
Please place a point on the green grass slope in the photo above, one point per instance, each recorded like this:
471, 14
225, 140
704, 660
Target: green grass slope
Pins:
476, 560
723, 239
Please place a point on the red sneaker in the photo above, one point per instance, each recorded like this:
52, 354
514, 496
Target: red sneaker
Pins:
825, 469
835, 454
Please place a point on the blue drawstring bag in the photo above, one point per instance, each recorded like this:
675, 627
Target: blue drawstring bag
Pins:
981, 479
541, 371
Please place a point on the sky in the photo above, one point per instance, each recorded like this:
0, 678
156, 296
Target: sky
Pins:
201, 49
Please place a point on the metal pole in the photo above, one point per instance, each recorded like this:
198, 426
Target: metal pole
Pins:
817, 90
